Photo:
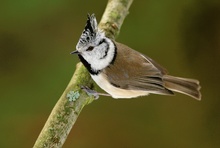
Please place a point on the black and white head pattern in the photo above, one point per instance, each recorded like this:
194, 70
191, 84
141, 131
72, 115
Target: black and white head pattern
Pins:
96, 51
90, 33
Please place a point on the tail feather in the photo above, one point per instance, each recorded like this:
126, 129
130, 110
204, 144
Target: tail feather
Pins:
185, 86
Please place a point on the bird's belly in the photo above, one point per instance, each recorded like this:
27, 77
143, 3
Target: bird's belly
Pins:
116, 92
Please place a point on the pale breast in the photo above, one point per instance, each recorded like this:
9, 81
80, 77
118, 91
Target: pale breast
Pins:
116, 92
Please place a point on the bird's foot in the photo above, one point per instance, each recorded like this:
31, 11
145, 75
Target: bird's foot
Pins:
94, 93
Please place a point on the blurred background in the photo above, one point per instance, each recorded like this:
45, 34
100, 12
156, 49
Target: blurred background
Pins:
37, 36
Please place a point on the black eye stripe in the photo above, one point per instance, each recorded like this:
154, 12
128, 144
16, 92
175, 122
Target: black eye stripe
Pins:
102, 41
90, 48
107, 48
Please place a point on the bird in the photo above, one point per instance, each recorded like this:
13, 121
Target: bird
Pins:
123, 72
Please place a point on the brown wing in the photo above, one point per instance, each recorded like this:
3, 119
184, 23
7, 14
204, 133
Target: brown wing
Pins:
136, 72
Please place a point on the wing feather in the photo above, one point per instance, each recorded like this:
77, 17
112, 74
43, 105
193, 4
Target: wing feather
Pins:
129, 73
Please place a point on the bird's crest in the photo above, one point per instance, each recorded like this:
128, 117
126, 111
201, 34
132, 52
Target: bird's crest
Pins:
90, 31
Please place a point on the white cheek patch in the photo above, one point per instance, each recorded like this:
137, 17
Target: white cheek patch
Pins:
95, 57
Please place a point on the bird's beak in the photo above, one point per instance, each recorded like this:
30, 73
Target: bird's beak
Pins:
75, 52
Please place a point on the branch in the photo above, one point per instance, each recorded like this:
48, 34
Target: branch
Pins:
72, 101
113, 17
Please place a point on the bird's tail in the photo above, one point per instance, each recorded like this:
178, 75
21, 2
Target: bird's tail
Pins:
185, 86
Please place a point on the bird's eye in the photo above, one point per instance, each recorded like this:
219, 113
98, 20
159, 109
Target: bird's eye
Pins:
90, 48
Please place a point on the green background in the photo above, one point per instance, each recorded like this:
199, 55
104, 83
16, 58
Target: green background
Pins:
36, 37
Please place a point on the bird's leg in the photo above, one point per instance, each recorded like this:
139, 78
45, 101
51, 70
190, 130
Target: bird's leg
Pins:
93, 92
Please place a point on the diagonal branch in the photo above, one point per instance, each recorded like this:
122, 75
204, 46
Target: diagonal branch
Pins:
72, 101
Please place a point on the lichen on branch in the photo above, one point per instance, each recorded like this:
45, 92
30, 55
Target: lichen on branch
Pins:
73, 99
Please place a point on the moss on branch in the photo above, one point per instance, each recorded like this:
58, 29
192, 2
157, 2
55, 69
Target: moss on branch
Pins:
113, 17
67, 109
